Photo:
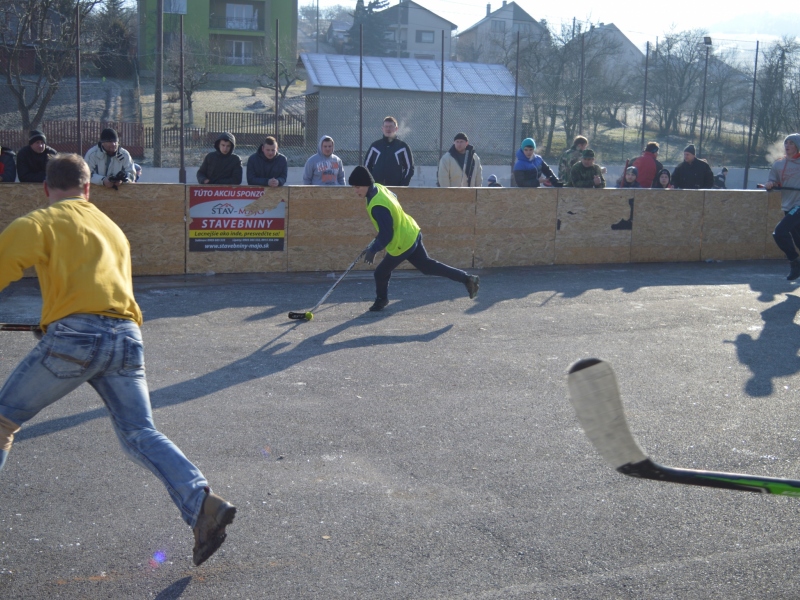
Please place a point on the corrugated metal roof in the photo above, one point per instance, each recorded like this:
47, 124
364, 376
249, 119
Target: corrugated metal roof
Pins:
407, 74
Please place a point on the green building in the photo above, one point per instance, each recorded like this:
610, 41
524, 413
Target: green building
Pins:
235, 33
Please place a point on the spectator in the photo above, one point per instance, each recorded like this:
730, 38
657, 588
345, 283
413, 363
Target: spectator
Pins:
720, 180
530, 169
324, 167
223, 166
492, 181
8, 165
137, 171
647, 165
110, 164
586, 174
693, 173
32, 159
389, 159
267, 166
460, 166
663, 181
570, 157
629, 179
785, 173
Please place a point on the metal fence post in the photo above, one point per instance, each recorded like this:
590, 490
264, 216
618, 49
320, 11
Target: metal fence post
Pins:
752, 116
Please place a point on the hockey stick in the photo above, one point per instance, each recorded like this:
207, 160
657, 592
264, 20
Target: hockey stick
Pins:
595, 396
308, 315
18, 327
777, 188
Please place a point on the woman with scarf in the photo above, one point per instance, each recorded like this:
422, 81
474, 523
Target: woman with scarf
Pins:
530, 170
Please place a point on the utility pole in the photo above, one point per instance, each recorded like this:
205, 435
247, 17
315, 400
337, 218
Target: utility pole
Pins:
157, 117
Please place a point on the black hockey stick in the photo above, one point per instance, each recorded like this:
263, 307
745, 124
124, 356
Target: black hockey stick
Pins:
595, 396
19, 327
308, 315
777, 188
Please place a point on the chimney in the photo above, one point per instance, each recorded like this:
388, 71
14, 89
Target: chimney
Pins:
488, 9
504, 2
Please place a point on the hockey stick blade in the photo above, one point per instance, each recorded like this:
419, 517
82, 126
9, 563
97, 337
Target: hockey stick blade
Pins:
19, 327
304, 315
594, 394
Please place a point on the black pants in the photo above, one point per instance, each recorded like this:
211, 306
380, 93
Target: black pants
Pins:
787, 233
418, 257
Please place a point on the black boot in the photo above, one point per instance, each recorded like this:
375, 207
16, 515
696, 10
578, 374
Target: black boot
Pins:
794, 269
380, 304
473, 283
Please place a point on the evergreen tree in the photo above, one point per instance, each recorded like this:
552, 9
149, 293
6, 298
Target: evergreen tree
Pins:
375, 27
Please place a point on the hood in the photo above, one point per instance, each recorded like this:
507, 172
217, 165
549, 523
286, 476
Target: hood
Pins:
228, 137
794, 138
319, 144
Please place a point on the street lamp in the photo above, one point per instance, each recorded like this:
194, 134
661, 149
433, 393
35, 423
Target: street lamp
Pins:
707, 42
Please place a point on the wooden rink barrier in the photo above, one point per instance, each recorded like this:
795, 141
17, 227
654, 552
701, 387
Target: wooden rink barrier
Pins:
326, 227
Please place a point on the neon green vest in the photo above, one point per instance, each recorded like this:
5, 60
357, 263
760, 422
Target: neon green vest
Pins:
406, 229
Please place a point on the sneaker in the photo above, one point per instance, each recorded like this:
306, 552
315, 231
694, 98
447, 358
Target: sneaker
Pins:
473, 284
380, 304
209, 533
794, 269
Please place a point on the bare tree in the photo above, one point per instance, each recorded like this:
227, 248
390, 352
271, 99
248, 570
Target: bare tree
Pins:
196, 68
286, 74
775, 64
37, 51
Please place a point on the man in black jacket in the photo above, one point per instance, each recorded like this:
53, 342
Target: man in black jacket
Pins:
221, 166
32, 159
267, 166
693, 173
390, 160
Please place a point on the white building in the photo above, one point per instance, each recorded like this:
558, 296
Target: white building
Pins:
492, 38
417, 32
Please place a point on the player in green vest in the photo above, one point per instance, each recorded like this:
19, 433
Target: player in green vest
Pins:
400, 236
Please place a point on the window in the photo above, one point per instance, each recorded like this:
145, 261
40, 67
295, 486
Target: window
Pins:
498, 26
424, 37
523, 28
240, 16
239, 52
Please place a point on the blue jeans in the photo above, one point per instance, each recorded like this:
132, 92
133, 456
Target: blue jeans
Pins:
107, 353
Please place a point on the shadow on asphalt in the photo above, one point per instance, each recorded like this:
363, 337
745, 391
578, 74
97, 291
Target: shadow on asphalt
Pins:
265, 361
779, 339
174, 591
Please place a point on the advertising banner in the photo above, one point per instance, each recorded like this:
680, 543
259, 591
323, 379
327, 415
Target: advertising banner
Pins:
225, 218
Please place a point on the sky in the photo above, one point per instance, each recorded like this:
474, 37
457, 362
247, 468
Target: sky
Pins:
737, 24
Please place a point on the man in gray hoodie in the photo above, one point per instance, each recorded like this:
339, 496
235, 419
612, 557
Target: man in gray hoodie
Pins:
785, 176
324, 167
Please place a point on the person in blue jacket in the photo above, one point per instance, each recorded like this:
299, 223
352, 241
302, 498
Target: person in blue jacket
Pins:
267, 166
530, 170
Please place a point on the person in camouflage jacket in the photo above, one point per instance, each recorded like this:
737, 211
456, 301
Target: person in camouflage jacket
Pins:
586, 174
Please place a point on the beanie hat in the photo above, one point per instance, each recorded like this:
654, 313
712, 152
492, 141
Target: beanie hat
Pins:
361, 177
794, 138
461, 136
690, 149
633, 170
528, 143
492, 178
588, 153
109, 135
724, 169
36, 136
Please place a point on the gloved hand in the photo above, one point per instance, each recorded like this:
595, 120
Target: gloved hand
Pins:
369, 257
555, 182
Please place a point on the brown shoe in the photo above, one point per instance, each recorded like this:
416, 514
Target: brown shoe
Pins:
209, 533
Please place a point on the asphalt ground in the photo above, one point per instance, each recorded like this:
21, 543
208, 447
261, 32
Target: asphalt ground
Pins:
428, 451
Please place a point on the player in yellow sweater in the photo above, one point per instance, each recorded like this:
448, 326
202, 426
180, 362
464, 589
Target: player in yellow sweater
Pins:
91, 323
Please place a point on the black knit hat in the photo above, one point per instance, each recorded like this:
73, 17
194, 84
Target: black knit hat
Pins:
690, 149
36, 136
361, 177
461, 136
109, 135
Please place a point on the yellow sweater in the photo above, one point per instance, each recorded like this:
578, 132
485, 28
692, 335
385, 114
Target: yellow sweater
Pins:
81, 257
